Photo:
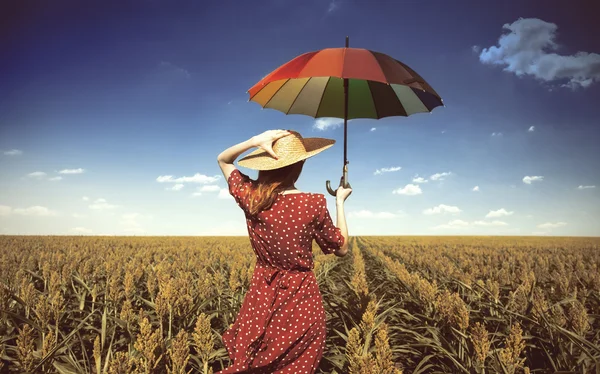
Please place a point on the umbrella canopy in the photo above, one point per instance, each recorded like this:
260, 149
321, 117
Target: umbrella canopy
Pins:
345, 83
313, 84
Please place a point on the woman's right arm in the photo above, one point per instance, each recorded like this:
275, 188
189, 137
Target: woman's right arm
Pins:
341, 223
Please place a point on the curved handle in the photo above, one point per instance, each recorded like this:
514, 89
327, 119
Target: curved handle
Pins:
343, 182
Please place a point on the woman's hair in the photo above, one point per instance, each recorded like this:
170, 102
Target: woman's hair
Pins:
264, 190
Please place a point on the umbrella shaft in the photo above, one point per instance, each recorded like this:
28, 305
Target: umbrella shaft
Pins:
345, 120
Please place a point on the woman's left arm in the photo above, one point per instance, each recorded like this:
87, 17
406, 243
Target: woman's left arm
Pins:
226, 158
264, 141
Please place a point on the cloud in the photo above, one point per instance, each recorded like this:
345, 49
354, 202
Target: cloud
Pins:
5, 210
490, 223
13, 152
499, 213
527, 49
370, 214
417, 179
373, 129
174, 70
585, 187
440, 176
77, 215
496, 134
71, 171
176, 187
527, 179
194, 194
476, 189
81, 230
442, 209
224, 194
323, 124
452, 224
531, 129
37, 174
37, 210
409, 190
387, 170
130, 220
333, 6
101, 204
53, 179
85, 198
209, 188
550, 225
196, 178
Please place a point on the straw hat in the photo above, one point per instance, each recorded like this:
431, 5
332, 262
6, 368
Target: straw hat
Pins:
290, 149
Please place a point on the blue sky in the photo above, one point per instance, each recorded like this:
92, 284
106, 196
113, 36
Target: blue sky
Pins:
101, 102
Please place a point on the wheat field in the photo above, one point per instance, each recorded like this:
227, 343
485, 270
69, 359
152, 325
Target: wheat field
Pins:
90, 304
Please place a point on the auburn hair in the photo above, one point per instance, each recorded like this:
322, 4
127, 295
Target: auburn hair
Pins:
269, 183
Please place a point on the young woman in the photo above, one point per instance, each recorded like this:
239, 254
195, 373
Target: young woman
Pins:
280, 327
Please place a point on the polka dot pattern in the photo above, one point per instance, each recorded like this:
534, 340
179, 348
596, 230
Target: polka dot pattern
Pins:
280, 327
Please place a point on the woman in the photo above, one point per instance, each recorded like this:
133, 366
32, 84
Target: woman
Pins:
280, 327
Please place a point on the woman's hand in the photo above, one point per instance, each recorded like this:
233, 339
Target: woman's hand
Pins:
266, 139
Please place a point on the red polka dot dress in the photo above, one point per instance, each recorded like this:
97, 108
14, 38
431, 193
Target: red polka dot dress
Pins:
280, 327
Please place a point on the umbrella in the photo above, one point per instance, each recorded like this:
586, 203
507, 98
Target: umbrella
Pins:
345, 83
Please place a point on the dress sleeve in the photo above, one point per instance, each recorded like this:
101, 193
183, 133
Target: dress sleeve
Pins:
239, 183
326, 234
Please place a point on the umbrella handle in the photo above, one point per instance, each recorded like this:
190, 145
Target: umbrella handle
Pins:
343, 182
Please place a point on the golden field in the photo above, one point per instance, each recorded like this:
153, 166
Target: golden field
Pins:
394, 304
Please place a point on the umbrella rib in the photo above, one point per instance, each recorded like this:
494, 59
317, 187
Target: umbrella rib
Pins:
275, 93
297, 96
322, 95
373, 98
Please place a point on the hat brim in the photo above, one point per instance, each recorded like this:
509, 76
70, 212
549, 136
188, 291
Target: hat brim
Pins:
261, 160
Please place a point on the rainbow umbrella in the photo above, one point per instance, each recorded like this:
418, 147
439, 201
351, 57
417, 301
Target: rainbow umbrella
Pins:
345, 83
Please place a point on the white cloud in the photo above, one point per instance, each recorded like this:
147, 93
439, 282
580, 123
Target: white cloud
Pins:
387, 170
5, 210
442, 208
101, 204
440, 176
527, 179
85, 198
409, 190
131, 219
53, 179
457, 223
37, 174
490, 223
585, 187
496, 134
81, 230
370, 214
173, 70
77, 215
194, 194
72, 171
499, 213
209, 188
417, 179
333, 6
196, 178
224, 194
37, 210
527, 50
550, 225
176, 187
373, 128
323, 124
531, 129
476, 189
13, 152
